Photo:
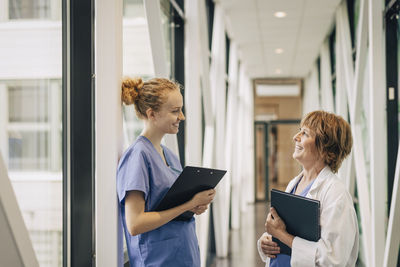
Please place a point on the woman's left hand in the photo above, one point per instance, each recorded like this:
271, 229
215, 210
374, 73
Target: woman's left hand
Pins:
274, 224
199, 209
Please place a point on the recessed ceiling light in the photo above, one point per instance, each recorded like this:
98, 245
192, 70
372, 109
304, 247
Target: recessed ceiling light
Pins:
280, 14
278, 71
279, 51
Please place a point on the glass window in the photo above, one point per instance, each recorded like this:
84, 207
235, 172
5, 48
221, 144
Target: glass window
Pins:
28, 150
29, 9
356, 19
34, 125
166, 26
28, 102
137, 59
31, 121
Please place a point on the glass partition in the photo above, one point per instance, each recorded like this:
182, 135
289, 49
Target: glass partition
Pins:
137, 59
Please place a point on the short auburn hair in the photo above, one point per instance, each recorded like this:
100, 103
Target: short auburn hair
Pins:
144, 95
333, 137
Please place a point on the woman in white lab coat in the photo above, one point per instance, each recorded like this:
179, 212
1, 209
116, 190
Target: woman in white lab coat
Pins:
322, 143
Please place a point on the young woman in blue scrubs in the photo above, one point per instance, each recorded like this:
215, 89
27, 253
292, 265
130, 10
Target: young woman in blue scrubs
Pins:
146, 171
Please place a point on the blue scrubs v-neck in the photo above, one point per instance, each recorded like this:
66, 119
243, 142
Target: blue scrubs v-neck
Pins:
175, 243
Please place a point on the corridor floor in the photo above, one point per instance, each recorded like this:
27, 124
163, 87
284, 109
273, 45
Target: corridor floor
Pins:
243, 242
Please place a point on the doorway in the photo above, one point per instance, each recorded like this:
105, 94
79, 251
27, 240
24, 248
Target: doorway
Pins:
273, 154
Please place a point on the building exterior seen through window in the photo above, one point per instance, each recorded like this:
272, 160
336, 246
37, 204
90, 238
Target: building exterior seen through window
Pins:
30, 117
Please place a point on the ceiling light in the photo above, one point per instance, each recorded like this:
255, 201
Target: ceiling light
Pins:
278, 71
278, 89
280, 14
279, 51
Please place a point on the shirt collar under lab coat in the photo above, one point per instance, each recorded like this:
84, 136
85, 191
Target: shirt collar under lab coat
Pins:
323, 175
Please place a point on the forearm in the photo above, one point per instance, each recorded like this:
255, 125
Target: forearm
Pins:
285, 238
147, 221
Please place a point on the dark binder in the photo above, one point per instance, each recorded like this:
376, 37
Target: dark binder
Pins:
300, 214
191, 181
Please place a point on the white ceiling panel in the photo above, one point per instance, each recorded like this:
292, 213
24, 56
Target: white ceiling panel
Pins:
258, 33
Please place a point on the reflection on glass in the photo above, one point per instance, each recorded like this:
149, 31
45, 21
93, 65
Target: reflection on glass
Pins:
30, 118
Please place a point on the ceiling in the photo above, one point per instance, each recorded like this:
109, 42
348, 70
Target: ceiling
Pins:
258, 33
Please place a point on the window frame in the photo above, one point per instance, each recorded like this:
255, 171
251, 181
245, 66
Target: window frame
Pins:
78, 134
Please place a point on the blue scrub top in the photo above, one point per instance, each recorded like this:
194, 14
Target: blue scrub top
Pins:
283, 260
175, 243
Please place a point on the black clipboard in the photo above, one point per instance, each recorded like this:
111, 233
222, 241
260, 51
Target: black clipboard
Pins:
300, 214
191, 181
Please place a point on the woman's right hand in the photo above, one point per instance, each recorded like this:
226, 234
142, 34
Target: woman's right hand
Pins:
203, 198
269, 247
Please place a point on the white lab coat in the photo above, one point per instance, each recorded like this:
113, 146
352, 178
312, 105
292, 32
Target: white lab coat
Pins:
338, 245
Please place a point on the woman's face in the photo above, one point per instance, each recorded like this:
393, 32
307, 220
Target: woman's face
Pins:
169, 116
305, 150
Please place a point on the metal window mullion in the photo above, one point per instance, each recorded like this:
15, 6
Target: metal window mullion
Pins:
78, 137
310, 97
196, 59
361, 60
378, 140
193, 89
393, 235
108, 117
237, 177
230, 147
249, 185
66, 150
242, 179
363, 190
346, 54
217, 83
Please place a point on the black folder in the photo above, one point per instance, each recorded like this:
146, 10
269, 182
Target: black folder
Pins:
301, 216
191, 181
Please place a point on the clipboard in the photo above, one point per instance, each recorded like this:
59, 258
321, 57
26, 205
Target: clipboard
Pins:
191, 181
300, 214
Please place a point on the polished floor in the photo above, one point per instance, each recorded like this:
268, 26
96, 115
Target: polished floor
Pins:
243, 242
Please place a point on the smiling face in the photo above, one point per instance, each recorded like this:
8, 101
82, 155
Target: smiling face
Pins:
305, 151
169, 116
